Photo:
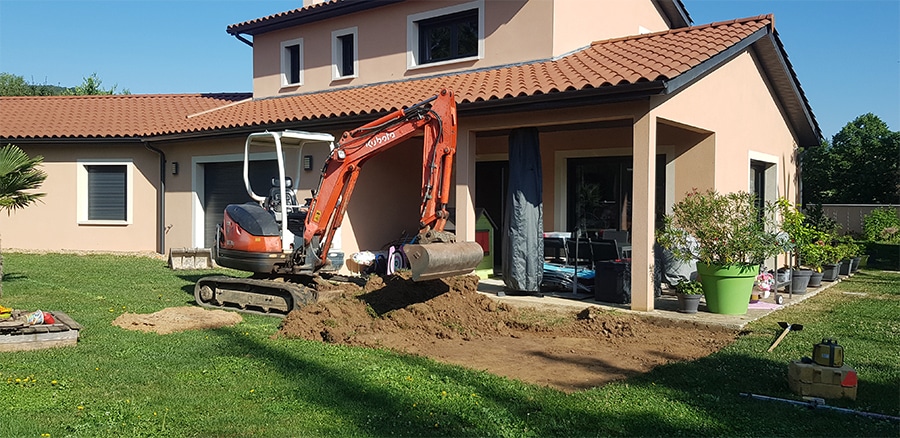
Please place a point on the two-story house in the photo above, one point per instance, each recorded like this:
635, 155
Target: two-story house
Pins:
629, 106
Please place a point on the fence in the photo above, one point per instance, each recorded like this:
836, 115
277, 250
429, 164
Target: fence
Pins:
851, 216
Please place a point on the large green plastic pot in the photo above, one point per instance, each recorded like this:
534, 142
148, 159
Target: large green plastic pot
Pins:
727, 288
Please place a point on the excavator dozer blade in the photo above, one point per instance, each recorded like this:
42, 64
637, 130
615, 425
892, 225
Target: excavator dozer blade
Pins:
439, 260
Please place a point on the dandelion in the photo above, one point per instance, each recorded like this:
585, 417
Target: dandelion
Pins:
80, 408
53, 382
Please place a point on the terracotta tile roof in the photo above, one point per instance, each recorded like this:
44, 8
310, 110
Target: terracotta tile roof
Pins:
610, 63
132, 115
618, 64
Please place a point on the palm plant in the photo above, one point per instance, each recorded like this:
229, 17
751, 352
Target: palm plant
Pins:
19, 175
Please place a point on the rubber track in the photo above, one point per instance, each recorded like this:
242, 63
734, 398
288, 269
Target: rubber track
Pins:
299, 295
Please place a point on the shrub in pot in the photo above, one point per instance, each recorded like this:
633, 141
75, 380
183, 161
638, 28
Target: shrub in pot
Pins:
726, 236
689, 293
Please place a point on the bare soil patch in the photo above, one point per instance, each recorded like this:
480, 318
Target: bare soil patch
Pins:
449, 321
177, 319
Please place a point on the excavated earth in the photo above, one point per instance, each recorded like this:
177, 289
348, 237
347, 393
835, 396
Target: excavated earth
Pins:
449, 321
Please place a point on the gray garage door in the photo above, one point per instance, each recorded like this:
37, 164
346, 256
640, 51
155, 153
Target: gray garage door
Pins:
223, 184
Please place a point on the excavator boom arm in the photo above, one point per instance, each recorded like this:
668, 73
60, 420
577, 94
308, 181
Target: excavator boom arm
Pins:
435, 116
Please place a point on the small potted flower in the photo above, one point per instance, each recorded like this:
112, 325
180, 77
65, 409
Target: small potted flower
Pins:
764, 285
689, 293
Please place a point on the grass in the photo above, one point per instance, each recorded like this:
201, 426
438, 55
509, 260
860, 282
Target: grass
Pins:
241, 381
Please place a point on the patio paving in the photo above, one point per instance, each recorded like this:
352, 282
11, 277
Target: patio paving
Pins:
665, 306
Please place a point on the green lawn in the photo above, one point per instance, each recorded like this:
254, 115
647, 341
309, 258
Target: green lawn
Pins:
239, 381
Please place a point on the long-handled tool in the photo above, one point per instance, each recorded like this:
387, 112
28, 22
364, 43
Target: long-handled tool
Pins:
787, 328
818, 403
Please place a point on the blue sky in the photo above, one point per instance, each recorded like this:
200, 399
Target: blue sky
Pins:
845, 52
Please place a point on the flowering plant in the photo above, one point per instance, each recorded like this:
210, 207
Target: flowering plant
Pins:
765, 282
720, 229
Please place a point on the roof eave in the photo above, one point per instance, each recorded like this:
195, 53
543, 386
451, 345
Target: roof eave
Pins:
301, 16
780, 74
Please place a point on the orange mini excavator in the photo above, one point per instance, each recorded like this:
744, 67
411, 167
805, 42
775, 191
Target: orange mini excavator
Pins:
287, 245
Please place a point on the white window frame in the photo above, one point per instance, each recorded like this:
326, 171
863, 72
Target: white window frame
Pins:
337, 51
286, 63
771, 173
83, 195
412, 34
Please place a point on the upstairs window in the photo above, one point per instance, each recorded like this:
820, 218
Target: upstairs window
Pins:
446, 35
449, 37
344, 54
292, 62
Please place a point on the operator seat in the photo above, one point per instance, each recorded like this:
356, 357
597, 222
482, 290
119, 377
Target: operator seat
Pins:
273, 201
296, 215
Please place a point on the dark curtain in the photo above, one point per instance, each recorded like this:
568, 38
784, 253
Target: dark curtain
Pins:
523, 247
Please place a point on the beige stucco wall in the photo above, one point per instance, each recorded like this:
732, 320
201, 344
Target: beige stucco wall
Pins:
53, 223
577, 23
736, 104
514, 31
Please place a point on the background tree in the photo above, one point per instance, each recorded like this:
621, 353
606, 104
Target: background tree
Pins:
861, 165
12, 85
19, 175
91, 86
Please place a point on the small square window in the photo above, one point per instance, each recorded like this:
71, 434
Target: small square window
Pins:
107, 193
104, 192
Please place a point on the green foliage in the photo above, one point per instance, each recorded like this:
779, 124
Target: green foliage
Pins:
13, 85
859, 166
91, 86
18, 175
720, 229
813, 235
882, 225
118, 382
689, 287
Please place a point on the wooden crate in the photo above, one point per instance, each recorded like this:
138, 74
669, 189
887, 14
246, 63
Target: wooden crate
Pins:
64, 332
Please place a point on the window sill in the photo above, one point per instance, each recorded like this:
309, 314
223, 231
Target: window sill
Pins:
104, 223
443, 63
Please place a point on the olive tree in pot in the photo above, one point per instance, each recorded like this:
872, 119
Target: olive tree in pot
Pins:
729, 237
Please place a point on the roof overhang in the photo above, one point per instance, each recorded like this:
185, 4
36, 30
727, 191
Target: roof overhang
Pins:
675, 12
310, 14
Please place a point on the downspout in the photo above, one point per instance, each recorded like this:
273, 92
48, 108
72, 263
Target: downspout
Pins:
243, 40
160, 199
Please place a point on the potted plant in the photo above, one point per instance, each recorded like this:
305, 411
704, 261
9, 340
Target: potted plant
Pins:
728, 237
689, 293
816, 255
849, 251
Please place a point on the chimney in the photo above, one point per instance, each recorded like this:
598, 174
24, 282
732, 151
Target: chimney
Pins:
307, 3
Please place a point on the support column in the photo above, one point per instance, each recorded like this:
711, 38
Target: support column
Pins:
464, 189
643, 216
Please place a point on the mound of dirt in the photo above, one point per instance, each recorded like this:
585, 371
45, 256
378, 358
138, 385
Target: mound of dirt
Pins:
449, 321
177, 319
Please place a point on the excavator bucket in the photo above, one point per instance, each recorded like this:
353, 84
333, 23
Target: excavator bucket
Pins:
439, 260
